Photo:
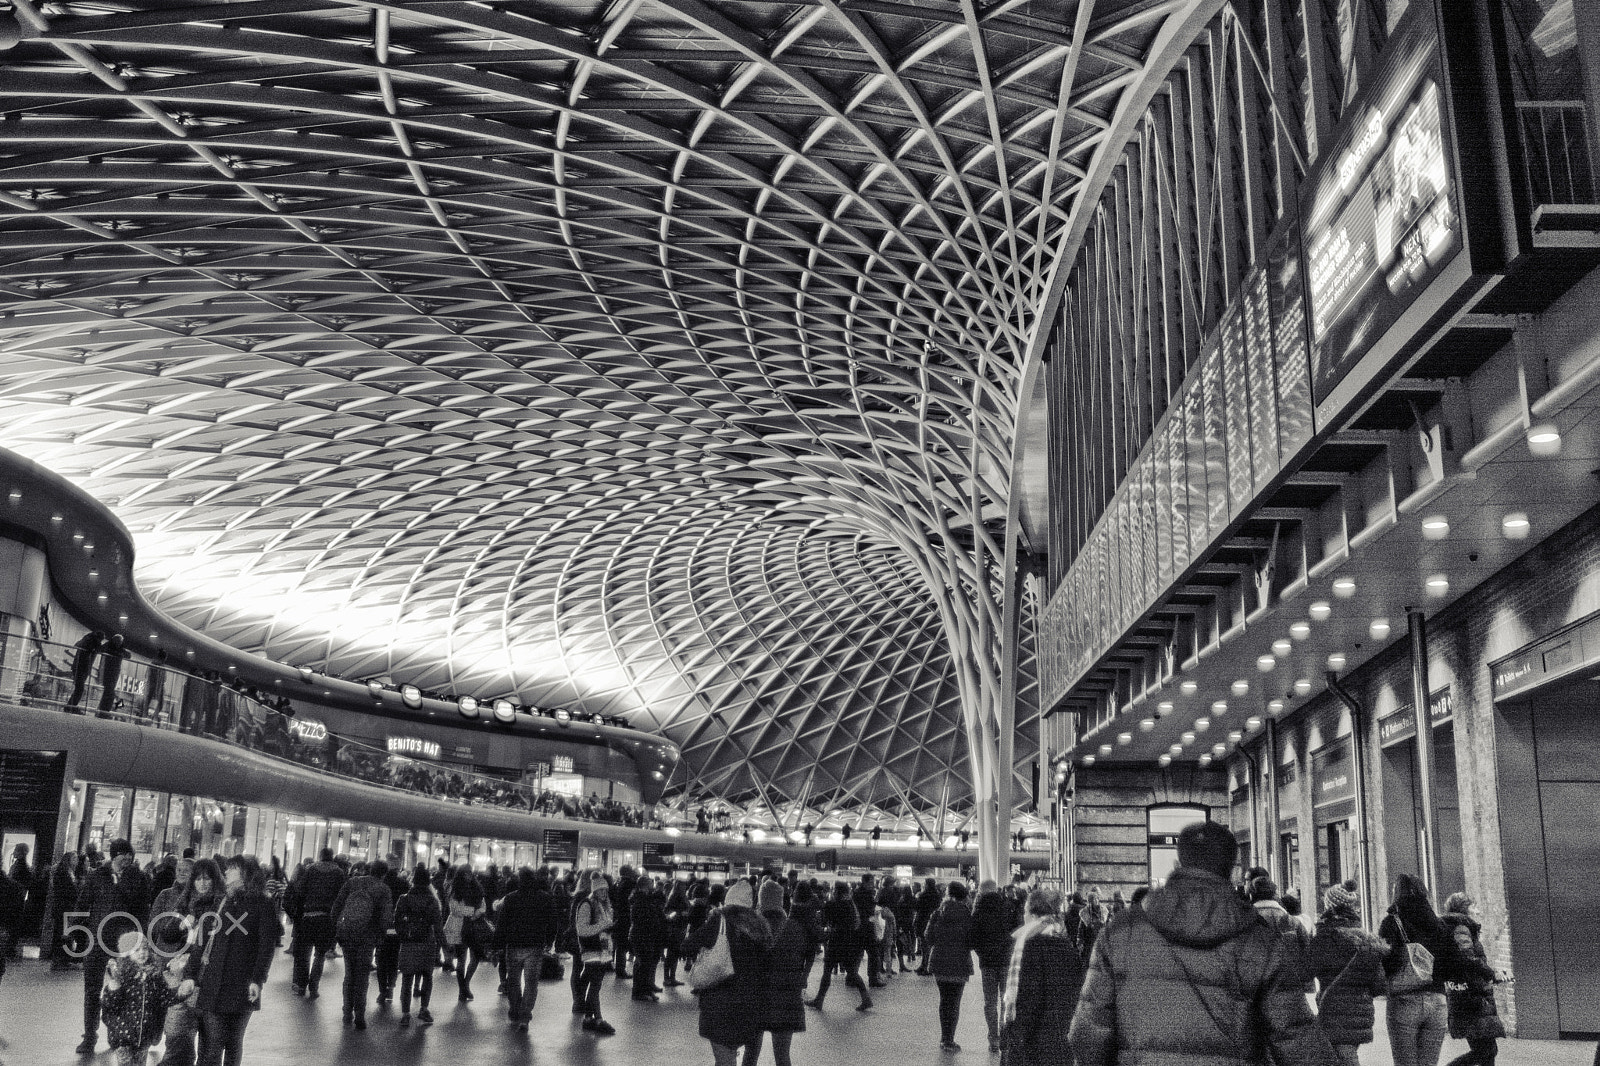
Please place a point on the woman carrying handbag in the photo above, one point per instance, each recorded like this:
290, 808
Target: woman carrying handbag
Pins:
1422, 956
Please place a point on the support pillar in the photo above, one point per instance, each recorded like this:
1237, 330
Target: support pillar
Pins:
1358, 759
1417, 627
994, 827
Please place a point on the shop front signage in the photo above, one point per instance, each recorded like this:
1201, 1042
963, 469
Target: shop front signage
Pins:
1402, 724
561, 845
1332, 775
561, 764
308, 730
1567, 651
413, 747
1383, 217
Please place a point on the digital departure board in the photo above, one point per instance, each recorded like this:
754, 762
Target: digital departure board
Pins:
1383, 218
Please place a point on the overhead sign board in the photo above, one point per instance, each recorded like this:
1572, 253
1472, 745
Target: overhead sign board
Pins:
1401, 725
657, 856
561, 845
1383, 214
1332, 774
415, 747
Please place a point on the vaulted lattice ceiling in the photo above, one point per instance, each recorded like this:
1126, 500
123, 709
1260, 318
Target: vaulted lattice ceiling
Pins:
658, 357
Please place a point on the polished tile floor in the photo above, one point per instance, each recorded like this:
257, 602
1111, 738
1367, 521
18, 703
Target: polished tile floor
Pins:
41, 1018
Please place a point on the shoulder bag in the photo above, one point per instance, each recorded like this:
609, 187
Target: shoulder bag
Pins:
1416, 968
715, 964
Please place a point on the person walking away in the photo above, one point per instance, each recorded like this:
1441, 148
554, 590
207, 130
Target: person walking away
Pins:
1418, 1014
783, 977
419, 928
865, 897
1347, 963
386, 960
180, 927
1264, 898
647, 932
950, 959
113, 900
111, 662
806, 911
730, 1010
843, 951
677, 913
310, 907
991, 940
622, 911
927, 904
30, 882
1473, 1014
88, 649
466, 907
528, 924
134, 1000
1043, 976
62, 895
232, 969
1192, 975
361, 912
12, 900
592, 921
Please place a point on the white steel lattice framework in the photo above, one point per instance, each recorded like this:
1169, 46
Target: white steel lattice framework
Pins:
659, 357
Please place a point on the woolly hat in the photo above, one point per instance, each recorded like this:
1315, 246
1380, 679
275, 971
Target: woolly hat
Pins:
771, 898
740, 894
128, 941
1340, 898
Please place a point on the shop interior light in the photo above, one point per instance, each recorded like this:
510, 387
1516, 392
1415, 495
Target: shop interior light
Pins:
1379, 629
1266, 664
1088, 760
1105, 749
1282, 647
1165, 760
1235, 735
1219, 749
1302, 687
1544, 439
468, 706
411, 696
1176, 749
1344, 587
504, 711
1320, 611
1189, 688
1435, 527
1188, 738
1336, 661
1438, 584
1146, 724
1301, 630
1515, 526
1202, 724
1275, 706
1164, 708
1252, 723
1124, 738
563, 716
1205, 760
1219, 707
56, 519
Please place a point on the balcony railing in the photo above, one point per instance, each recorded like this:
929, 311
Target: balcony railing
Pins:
38, 673
1557, 157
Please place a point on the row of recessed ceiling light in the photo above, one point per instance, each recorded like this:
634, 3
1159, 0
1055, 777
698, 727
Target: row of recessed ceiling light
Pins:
1514, 526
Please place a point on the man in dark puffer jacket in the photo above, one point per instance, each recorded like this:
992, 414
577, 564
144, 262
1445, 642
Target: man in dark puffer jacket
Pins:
1193, 975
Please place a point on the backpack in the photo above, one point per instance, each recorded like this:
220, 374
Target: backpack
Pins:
410, 924
355, 921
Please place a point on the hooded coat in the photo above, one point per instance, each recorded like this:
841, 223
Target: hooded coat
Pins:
1412, 921
1473, 1014
991, 931
1193, 975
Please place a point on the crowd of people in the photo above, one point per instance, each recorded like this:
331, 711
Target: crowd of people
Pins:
1200, 970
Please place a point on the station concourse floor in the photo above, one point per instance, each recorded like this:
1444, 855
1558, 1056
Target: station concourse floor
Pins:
41, 1017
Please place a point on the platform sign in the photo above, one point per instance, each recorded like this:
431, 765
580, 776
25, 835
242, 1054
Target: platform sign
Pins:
561, 845
1383, 214
657, 856
1401, 725
827, 861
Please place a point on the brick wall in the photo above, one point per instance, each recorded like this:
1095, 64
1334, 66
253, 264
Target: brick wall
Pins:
1109, 828
1555, 583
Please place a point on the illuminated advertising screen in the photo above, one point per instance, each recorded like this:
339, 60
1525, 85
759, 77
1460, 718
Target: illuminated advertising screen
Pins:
1384, 216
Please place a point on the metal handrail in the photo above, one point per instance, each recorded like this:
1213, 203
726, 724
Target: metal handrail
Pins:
72, 680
